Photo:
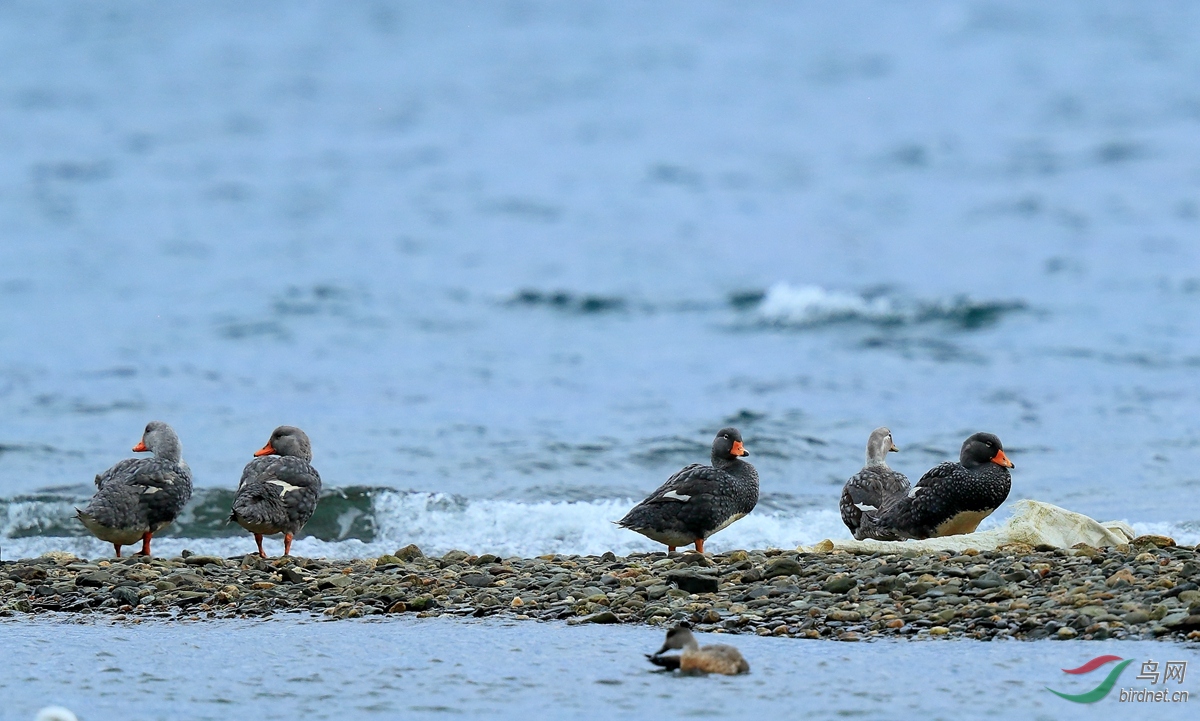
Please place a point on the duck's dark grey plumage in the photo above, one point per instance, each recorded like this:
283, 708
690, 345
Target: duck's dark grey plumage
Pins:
952, 498
871, 488
137, 497
279, 489
699, 500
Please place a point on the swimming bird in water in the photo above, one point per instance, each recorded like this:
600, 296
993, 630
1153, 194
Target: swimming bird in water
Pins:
139, 496
871, 487
699, 500
951, 498
717, 658
279, 489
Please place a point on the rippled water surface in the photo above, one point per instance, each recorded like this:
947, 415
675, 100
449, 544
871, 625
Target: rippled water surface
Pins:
437, 668
522, 259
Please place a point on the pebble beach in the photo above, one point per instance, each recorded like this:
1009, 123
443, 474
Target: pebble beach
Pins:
1149, 589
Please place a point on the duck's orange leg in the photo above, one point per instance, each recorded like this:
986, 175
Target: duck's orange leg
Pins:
699, 545
117, 548
258, 540
670, 549
145, 544
287, 544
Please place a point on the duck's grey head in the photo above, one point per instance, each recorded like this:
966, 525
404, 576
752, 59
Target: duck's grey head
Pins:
679, 637
287, 441
160, 439
728, 445
982, 448
879, 445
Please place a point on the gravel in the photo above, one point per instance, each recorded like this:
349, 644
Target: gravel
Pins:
1148, 589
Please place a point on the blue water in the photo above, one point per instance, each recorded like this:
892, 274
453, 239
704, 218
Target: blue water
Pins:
531, 255
441, 668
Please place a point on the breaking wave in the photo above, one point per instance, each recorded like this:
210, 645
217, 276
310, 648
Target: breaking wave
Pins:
363, 521
358, 521
785, 305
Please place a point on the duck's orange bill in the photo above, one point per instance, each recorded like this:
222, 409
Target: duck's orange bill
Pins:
1001, 459
739, 449
265, 450
141, 446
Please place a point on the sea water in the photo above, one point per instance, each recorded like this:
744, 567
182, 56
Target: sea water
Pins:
442, 668
510, 265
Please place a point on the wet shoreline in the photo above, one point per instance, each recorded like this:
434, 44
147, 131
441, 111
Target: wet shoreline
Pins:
1147, 590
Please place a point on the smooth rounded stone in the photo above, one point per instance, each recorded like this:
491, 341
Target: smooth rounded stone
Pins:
335, 582
204, 561
1136, 617
292, 575
752, 575
476, 580
781, 566
126, 595
988, 579
840, 584
94, 579
656, 591
694, 581
1123, 576
1153, 540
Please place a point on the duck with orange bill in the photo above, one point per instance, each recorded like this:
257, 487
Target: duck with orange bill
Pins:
139, 496
951, 498
699, 500
279, 489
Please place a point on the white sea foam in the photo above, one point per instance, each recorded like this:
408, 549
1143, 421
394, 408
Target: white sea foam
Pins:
438, 523
809, 305
785, 304
1185, 534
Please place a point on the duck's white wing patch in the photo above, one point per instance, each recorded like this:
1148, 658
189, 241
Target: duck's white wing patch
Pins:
284, 487
150, 489
865, 507
676, 496
913, 493
727, 521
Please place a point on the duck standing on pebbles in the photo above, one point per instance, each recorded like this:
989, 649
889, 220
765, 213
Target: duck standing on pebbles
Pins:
139, 496
717, 658
699, 500
279, 488
868, 489
951, 498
